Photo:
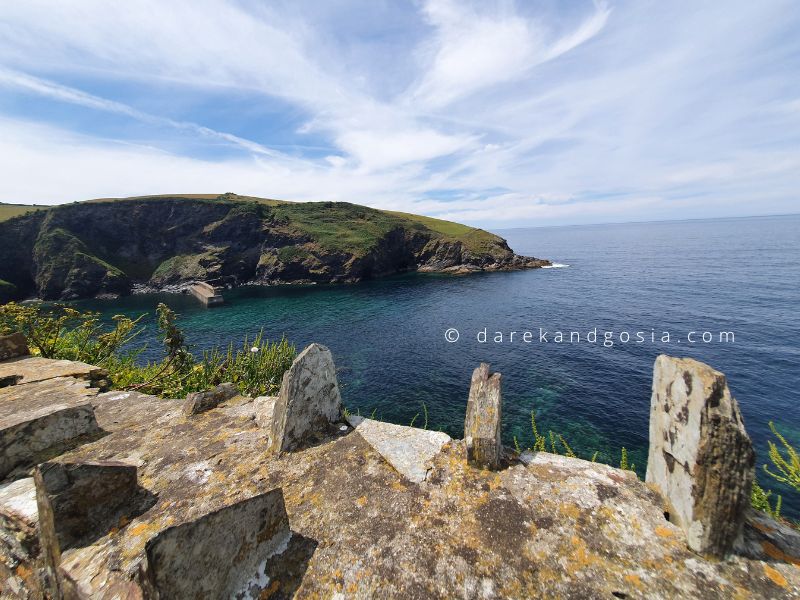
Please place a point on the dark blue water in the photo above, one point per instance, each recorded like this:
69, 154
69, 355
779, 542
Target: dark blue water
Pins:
387, 336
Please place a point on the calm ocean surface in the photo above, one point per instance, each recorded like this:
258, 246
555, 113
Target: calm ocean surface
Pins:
387, 336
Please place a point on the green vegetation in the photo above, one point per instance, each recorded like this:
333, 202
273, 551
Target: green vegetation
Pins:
345, 227
183, 267
785, 469
475, 240
9, 211
788, 466
759, 499
7, 291
288, 254
559, 445
62, 332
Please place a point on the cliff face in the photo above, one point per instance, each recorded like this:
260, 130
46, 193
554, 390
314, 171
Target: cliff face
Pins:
105, 247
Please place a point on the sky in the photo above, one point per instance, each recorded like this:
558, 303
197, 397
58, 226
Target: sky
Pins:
495, 114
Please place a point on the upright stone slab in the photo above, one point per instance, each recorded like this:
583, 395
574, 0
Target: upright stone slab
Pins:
222, 554
482, 424
76, 500
700, 458
308, 402
198, 402
28, 437
13, 346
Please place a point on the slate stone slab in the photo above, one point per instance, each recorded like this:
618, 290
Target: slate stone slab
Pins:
308, 402
222, 554
31, 436
198, 402
482, 434
700, 456
409, 450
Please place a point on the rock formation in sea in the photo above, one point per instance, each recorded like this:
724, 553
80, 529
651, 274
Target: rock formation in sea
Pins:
112, 247
152, 498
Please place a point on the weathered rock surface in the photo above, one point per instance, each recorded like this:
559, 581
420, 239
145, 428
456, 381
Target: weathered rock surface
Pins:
75, 501
41, 422
556, 527
19, 537
700, 458
264, 407
13, 346
308, 402
29, 369
198, 402
482, 435
230, 548
409, 450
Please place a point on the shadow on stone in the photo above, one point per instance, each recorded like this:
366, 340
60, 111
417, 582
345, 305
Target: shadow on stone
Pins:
286, 570
81, 502
245, 550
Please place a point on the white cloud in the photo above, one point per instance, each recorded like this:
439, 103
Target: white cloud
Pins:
473, 50
593, 111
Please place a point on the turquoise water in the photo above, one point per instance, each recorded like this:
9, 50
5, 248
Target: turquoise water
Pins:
387, 336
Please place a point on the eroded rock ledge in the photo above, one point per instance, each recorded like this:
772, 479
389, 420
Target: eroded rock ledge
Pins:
375, 510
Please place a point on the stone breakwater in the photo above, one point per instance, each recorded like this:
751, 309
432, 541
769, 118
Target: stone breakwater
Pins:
220, 496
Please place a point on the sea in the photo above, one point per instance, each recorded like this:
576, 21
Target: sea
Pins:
723, 291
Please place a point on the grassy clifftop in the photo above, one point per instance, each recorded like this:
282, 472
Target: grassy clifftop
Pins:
9, 211
107, 245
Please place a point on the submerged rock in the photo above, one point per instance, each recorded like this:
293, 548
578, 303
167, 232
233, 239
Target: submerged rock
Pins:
700, 458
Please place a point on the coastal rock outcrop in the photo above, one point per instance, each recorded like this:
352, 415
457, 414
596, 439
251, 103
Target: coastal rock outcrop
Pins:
700, 458
113, 246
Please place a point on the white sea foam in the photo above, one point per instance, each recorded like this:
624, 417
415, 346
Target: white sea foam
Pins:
555, 266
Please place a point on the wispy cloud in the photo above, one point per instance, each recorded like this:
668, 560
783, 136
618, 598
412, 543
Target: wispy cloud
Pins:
9, 78
591, 111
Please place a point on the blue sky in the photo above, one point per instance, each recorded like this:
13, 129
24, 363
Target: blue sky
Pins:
495, 114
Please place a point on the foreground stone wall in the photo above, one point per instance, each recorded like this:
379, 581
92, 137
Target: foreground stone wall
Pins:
358, 509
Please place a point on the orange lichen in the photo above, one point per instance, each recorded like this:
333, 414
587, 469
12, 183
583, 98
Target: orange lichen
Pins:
774, 552
634, 580
664, 532
362, 501
761, 527
775, 576
22, 571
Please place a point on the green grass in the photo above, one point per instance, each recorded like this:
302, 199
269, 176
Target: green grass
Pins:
474, 239
9, 211
342, 226
332, 226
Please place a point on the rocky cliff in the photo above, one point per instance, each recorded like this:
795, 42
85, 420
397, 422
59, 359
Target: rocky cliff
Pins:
109, 246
